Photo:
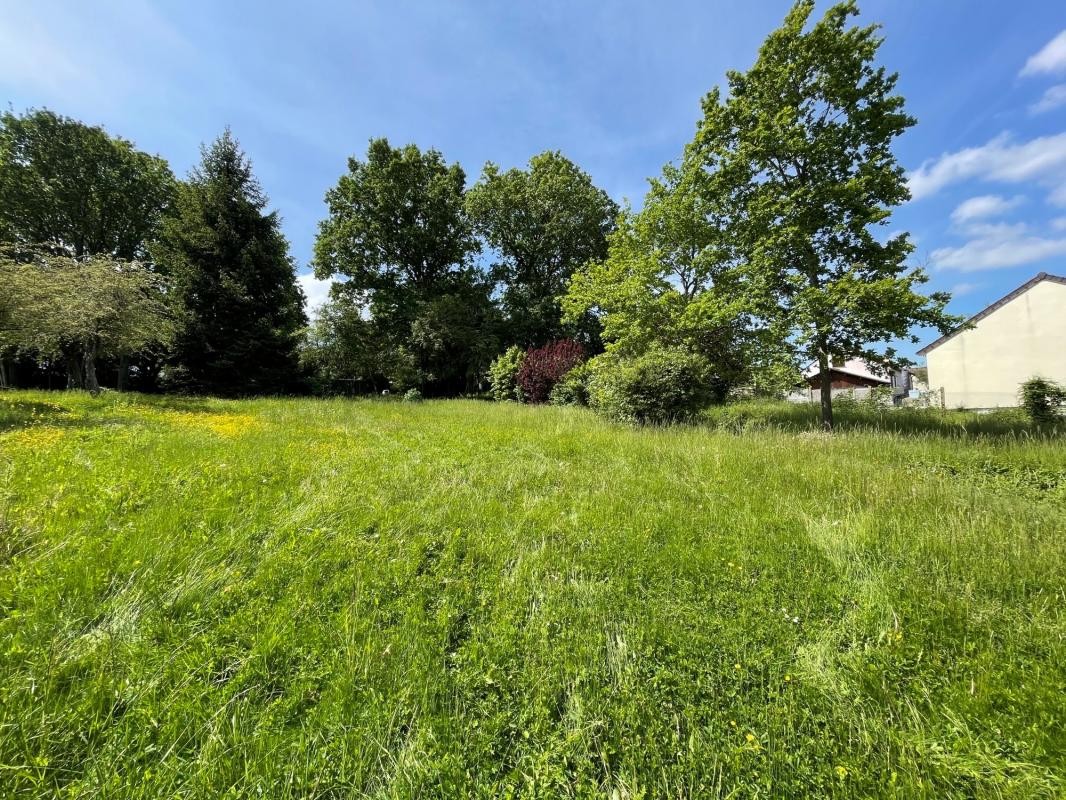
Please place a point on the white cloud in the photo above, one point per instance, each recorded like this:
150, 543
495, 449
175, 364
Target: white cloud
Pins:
964, 288
316, 291
1053, 98
1042, 159
997, 230
1051, 59
1058, 194
998, 245
1058, 224
983, 206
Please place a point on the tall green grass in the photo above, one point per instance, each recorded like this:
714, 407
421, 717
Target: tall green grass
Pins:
300, 598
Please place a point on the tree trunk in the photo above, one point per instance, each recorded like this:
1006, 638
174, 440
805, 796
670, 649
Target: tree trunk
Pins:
825, 381
91, 383
123, 368
3, 373
75, 370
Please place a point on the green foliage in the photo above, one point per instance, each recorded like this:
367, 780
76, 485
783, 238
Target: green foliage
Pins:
503, 374
772, 374
879, 397
397, 229
872, 399
412, 396
544, 222
344, 352
76, 189
661, 386
1042, 399
573, 388
234, 284
461, 599
663, 278
81, 309
452, 337
630, 292
666, 282
797, 158
848, 401
73, 190
396, 223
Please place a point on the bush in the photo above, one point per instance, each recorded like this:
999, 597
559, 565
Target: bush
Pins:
412, 396
879, 398
503, 374
663, 386
543, 367
773, 377
572, 389
1042, 399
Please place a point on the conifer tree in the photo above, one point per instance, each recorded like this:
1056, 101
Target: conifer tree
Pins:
234, 285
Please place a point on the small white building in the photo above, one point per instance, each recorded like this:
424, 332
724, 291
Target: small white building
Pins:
1023, 335
854, 378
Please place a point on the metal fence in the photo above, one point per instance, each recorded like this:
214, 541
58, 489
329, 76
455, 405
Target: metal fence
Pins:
882, 395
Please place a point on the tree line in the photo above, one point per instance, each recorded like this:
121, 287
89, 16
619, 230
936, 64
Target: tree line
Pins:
760, 247
188, 285
108, 261
435, 278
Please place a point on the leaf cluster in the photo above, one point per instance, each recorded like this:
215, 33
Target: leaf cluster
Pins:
95, 303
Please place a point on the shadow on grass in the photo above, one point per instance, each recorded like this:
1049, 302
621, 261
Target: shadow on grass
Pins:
1001, 423
80, 410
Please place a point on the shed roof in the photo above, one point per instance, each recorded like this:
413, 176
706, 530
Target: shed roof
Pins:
984, 312
853, 366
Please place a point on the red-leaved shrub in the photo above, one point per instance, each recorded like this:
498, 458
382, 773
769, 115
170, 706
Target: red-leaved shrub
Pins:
543, 367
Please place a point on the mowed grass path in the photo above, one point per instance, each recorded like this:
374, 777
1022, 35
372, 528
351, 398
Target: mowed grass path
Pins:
303, 598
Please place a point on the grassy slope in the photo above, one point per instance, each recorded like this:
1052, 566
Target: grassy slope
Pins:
330, 598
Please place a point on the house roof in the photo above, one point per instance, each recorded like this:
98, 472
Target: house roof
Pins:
853, 366
1025, 287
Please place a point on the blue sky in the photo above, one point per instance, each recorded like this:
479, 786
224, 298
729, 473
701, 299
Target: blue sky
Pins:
615, 86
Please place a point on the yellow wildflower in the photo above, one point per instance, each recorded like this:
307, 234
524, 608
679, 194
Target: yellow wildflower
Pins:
226, 425
35, 437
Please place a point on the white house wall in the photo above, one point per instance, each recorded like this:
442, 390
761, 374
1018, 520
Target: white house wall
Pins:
983, 367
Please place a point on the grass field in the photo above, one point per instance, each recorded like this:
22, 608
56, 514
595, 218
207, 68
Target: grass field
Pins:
302, 598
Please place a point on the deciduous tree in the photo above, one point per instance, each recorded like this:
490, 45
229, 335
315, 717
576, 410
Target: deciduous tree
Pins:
396, 222
544, 222
83, 308
667, 283
398, 231
799, 154
344, 351
77, 189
